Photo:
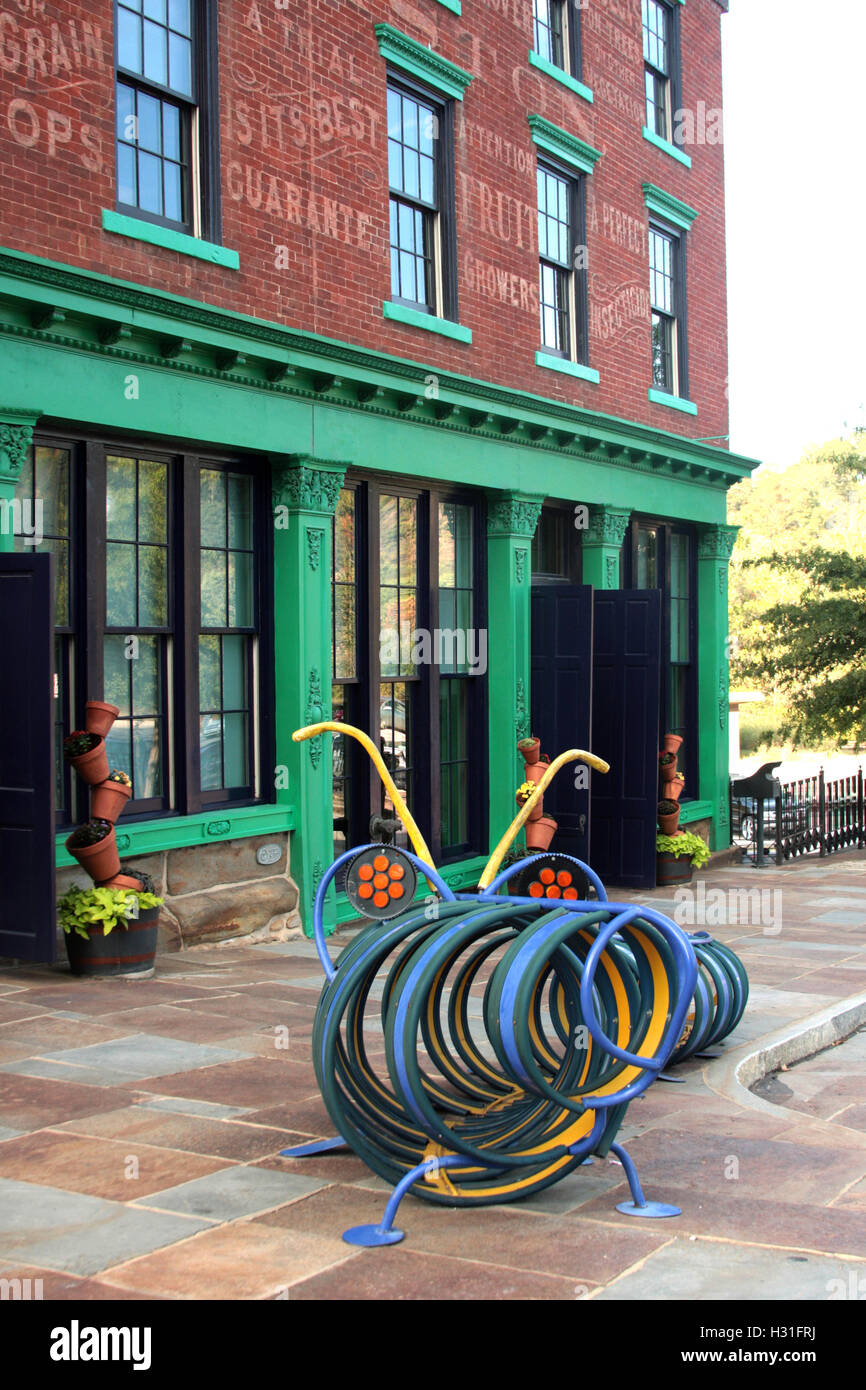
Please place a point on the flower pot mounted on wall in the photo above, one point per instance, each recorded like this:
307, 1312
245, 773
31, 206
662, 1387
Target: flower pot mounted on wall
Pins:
529, 749
667, 767
671, 743
85, 752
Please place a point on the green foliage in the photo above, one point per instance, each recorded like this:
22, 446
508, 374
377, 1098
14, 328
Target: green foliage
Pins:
760, 728
798, 596
686, 843
82, 908
79, 742
91, 833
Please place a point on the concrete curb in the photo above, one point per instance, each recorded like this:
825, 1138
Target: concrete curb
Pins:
732, 1075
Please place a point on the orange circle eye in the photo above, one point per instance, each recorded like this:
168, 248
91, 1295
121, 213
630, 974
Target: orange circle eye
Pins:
536, 890
396, 890
547, 875
570, 893
365, 873
563, 878
380, 899
380, 862
380, 881
396, 871
365, 890
553, 892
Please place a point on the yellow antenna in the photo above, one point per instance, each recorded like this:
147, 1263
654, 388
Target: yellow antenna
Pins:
573, 755
310, 731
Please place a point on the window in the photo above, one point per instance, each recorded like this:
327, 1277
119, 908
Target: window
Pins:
420, 178
661, 66
166, 138
660, 555
409, 661
556, 34
662, 253
158, 611
562, 288
556, 547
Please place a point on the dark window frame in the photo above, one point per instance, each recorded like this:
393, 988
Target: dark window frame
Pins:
576, 280
443, 247
570, 37
567, 541
88, 626
205, 220
679, 318
671, 81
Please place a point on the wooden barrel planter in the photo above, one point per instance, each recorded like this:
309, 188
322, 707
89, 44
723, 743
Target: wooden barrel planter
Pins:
673, 868
129, 950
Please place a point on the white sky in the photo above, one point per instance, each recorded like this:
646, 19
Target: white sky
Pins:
795, 157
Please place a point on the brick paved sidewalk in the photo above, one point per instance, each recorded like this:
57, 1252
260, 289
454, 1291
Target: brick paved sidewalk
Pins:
141, 1124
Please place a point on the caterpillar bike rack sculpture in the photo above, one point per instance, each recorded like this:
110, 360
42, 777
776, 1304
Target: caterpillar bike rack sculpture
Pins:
517, 1028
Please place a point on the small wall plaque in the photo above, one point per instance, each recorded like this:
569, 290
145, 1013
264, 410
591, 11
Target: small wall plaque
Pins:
269, 854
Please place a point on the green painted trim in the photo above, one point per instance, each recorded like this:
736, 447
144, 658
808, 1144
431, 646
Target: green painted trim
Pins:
675, 402
695, 810
560, 75
455, 7
562, 364
94, 300
666, 146
401, 313
178, 832
404, 53
666, 205
156, 235
577, 154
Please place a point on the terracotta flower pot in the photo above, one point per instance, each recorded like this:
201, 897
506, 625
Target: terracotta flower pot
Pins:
124, 880
668, 824
92, 767
537, 811
674, 788
101, 860
108, 800
99, 717
540, 833
535, 772
671, 743
667, 774
529, 749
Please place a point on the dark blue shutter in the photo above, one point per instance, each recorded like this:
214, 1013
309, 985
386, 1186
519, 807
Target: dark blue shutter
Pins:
562, 701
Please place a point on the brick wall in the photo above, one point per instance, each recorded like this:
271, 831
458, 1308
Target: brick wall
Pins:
304, 168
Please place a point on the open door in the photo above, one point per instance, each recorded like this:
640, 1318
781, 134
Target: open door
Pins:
561, 704
27, 907
625, 732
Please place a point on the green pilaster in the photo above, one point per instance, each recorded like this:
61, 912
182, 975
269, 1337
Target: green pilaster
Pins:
16, 436
511, 521
305, 492
715, 544
602, 546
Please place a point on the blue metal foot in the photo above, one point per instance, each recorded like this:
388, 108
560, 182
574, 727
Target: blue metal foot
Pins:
386, 1233
319, 1146
639, 1206
677, 1080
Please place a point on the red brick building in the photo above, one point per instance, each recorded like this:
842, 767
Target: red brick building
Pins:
452, 270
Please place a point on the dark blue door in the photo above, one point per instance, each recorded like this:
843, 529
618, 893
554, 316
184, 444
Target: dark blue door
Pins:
561, 702
27, 908
625, 732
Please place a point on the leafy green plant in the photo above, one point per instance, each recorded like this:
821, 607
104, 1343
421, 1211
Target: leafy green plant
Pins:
686, 843
78, 742
90, 833
82, 908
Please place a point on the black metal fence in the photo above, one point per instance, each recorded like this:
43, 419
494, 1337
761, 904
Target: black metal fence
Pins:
807, 816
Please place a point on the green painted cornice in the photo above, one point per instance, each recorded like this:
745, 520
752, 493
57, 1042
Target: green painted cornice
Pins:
666, 205
607, 526
57, 306
16, 436
513, 514
305, 484
577, 154
404, 53
717, 542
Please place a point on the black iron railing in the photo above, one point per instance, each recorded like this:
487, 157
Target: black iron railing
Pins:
807, 816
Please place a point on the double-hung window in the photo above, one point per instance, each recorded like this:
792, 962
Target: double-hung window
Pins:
661, 58
669, 222
556, 45
562, 282
167, 160
161, 560
421, 199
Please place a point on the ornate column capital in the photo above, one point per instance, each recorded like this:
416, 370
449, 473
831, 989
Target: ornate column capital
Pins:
16, 436
302, 483
717, 542
607, 525
513, 514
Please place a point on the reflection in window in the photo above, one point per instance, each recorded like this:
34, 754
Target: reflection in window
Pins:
395, 742
398, 583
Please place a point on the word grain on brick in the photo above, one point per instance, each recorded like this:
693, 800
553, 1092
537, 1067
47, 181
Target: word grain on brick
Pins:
498, 283
268, 193
36, 52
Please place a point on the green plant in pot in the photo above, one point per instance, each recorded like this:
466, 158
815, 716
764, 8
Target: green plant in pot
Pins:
94, 845
667, 766
109, 931
668, 814
677, 855
86, 753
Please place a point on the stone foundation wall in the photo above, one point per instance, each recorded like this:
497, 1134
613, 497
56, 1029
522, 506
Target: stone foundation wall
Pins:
214, 891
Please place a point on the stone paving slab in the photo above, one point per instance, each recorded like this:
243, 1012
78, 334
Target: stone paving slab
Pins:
704, 1269
232, 1192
